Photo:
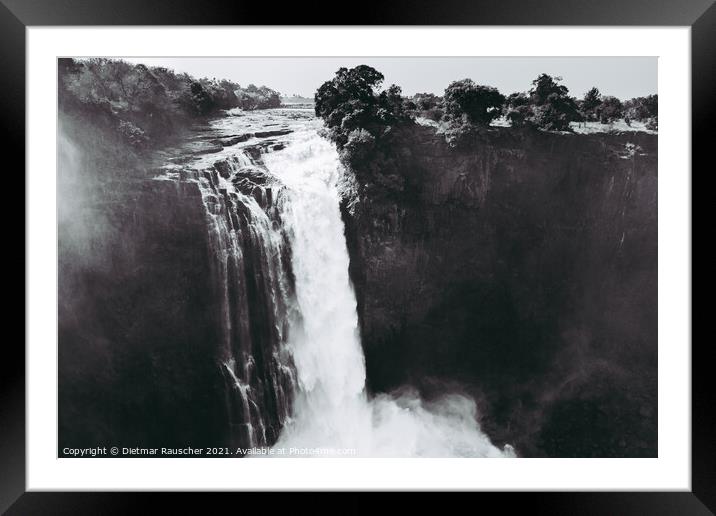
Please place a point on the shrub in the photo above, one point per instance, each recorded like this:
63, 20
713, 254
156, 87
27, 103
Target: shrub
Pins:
434, 114
424, 105
518, 110
426, 101
550, 117
359, 146
132, 134
520, 116
254, 97
461, 132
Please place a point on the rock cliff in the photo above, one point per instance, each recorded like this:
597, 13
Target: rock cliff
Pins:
523, 270
169, 332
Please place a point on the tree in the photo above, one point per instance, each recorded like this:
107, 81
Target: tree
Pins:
364, 122
199, 99
427, 105
592, 100
254, 97
642, 108
518, 110
609, 110
351, 101
552, 107
142, 104
545, 86
391, 106
426, 101
350, 92
651, 105
478, 104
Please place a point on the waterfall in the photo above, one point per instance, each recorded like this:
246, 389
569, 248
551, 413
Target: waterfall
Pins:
332, 414
253, 295
289, 349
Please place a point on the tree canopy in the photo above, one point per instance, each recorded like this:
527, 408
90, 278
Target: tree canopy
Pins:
143, 103
609, 109
351, 101
591, 101
478, 104
553, 108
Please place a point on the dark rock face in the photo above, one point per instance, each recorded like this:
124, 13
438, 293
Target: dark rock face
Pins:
523, 270
166, 336
136, 364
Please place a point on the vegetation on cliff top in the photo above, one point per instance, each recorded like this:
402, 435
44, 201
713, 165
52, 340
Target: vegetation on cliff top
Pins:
352, 108
372, 126
358, 115
363, 122
144, 105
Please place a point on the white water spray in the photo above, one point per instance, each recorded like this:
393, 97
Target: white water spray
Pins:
332, 414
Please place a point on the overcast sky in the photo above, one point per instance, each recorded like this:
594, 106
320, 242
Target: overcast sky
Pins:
623, 77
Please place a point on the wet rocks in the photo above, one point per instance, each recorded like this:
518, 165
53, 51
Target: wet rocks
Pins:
223, 168
228, 141
277, 132
253, 174
187, 174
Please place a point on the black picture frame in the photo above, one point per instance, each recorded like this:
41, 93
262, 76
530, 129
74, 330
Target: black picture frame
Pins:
16, 15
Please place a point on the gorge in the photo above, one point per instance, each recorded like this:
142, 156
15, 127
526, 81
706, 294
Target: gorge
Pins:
244, 288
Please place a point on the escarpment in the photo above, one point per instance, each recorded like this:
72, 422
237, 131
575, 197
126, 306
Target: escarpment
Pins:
174, 288
523, 268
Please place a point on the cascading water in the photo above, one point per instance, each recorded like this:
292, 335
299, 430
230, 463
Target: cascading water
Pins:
290, 350
332, 414
253, 299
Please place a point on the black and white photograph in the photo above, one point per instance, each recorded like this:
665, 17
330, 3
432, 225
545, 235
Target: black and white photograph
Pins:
357, 257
